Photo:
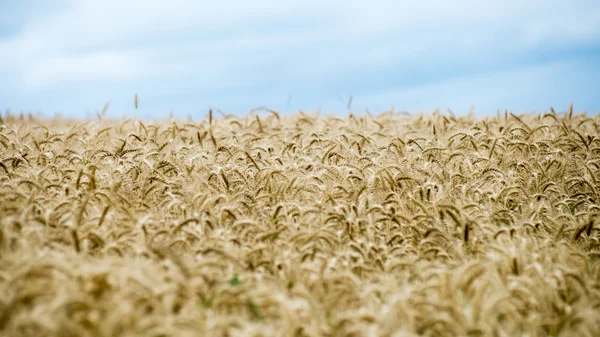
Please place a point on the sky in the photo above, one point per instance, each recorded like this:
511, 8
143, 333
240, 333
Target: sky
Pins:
183, 57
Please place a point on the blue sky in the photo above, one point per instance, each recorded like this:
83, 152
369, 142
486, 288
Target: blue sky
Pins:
184, 57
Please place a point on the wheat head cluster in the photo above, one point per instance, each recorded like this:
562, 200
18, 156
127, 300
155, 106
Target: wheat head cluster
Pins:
301, 225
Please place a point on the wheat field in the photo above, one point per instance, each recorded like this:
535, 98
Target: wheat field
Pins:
301, 225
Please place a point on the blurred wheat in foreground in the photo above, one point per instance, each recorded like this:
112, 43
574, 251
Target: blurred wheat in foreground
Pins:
301, 225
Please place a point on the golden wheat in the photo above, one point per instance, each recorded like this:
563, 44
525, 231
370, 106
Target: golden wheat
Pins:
301, 225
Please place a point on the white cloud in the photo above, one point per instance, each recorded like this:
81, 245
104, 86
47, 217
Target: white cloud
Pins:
106, 66
188, 44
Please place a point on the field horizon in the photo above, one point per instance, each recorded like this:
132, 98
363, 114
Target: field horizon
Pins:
268, 224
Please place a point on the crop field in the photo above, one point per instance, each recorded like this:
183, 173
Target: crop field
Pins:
301, 225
